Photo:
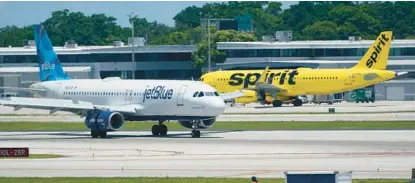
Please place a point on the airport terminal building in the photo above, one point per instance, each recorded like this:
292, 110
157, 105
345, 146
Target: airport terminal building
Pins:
18, 65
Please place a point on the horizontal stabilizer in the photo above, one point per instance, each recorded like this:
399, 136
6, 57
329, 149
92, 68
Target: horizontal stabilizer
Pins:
401, 73
24, 89
232, 95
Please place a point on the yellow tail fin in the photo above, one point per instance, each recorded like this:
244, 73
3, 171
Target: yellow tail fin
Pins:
377, 55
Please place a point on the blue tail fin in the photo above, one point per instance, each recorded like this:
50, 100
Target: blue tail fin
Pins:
50, 68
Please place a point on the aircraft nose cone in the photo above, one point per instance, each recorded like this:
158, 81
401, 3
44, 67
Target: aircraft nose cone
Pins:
217, 106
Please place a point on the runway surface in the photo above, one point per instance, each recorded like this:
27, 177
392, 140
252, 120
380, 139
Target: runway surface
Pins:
402, 111
369, 154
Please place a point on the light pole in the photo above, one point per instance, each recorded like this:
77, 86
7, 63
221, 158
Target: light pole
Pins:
133, 45
208, 24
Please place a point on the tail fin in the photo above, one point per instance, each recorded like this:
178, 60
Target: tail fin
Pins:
377, 55
50, 68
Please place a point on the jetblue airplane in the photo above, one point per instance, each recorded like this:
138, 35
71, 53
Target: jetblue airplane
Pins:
107, 103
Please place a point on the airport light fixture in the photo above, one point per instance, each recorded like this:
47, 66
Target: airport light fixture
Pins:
131, 17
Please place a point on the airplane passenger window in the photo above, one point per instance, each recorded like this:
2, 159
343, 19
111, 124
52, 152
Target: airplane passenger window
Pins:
200, 94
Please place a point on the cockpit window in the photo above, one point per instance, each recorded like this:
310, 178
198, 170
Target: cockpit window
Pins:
209, 94
195, 95
201, 94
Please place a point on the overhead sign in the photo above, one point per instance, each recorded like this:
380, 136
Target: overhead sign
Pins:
14, 152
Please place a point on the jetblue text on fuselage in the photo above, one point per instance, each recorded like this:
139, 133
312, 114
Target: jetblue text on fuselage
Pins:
157, 92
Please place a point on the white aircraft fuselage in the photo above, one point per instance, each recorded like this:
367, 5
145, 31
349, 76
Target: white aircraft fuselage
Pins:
161, 99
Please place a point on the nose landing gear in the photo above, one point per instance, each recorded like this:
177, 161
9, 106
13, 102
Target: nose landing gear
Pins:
159, 129
195, 132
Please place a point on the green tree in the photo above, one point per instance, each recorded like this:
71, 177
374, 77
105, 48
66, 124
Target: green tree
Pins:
323, 30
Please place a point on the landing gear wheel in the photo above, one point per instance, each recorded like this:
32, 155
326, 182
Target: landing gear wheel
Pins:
94, 134
277, 103
162, 130
155, 130
195, 133
298, 102
102, 134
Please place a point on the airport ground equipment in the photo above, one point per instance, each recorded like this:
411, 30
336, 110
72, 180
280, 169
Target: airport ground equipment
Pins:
319, 99
363, 95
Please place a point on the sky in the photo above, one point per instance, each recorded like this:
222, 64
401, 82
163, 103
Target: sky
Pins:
28, 12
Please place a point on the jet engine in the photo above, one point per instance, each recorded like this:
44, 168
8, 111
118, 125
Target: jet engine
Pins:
250, 97
104, 121
203, 124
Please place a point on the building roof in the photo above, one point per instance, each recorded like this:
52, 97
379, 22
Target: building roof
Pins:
101, 49
36, 69
390, 62
399, 43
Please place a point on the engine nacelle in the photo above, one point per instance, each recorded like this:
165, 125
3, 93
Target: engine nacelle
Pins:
204, 124
104, 121
250, 97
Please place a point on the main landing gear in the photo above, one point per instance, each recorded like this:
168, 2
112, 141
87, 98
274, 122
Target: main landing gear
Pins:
96, 134
195, 131
296, 102
159, 129
277, 103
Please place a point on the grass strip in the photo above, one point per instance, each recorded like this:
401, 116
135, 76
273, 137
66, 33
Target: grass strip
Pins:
246, 125
296, 113
165, 180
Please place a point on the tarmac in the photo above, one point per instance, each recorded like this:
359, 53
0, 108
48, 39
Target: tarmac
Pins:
368, 154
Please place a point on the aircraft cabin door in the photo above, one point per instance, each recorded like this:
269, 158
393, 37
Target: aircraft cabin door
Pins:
57, 90
350, 79
180, 95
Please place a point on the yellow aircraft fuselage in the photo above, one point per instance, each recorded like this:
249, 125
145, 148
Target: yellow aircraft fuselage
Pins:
302, 81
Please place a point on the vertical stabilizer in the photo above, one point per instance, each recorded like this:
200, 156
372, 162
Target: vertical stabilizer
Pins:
377, 55
50, 68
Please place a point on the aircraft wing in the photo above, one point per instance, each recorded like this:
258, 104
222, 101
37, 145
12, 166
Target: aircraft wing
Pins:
64, 105
24, 89
262, 83
265, 87
232, 95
